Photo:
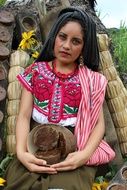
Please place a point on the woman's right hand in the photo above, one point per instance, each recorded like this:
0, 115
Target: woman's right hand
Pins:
34, 164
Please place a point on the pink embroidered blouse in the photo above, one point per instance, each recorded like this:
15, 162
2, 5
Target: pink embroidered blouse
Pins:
56, 96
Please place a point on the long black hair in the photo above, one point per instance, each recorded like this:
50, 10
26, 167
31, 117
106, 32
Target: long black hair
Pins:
90, 51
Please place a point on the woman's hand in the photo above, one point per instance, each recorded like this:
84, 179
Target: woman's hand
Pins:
79, 158
72, 161
34, 164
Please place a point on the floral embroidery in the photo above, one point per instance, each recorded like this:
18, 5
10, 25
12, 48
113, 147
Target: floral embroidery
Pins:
42, 89
54, 97
72, 95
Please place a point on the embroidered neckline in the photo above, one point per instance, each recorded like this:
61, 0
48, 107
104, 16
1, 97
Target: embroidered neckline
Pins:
61, 75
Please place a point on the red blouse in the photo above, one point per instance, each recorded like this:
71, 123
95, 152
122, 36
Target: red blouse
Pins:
56, 95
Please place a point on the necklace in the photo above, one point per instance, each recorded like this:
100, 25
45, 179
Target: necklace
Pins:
62, 75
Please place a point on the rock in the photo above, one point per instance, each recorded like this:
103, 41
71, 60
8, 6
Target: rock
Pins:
4, 52
4, 34
6, 17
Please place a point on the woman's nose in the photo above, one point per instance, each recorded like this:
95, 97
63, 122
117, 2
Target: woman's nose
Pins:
67, 44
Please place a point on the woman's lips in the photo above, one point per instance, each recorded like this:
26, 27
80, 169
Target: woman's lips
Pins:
64, 54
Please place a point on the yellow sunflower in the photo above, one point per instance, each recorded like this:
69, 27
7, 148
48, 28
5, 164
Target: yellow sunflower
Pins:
35, 54
100, 186
28, 41
2, 181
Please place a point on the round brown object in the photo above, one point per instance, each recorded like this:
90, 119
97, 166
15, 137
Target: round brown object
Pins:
124, 173
51, 156
51, 142
117, 187
67, 141
6, 17
4, 52
45, 138
2, 73
4, 34
2, 93
29, 23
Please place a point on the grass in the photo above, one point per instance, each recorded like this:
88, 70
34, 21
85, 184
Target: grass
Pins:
2, 2
119, 40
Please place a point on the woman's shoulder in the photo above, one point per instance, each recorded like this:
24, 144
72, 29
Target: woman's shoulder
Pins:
97, 79
36, 65
96, 75
92, 74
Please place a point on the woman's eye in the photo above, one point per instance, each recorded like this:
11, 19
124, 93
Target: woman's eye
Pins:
76, 41
62, 37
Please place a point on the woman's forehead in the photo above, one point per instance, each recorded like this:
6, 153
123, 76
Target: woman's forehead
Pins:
73, 27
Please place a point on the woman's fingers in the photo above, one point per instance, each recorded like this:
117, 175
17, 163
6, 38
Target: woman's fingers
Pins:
34, 164
39, 161
72, 161
42, 169
63, 166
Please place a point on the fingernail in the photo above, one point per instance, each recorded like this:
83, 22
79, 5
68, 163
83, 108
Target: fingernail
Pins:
44, 162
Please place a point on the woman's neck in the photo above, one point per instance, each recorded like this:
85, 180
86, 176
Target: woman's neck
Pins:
64, 68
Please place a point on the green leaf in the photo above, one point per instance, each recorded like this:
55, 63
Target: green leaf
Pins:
4, 163
112, 172
31, 60
70, 110
41, 104
99, 179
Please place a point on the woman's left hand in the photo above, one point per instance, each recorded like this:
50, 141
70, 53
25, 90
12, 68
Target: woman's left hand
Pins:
72, 161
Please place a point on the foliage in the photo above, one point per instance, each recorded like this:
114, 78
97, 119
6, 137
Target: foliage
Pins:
102, 182
4, 163
119, 40
3, 166
2, 2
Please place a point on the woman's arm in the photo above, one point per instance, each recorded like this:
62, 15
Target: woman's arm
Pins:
79, 158
22, 129
96, 136
23, 121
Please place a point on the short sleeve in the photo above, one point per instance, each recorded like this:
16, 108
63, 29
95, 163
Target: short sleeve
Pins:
26, 76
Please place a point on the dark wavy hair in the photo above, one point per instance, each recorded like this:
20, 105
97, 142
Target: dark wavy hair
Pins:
90, 51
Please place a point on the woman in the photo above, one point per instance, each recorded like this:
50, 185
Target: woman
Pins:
63, 87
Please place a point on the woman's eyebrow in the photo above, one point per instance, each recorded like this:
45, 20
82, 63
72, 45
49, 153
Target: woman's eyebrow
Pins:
76, 37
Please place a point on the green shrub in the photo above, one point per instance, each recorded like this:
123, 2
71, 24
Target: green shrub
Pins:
2, 2
119, 40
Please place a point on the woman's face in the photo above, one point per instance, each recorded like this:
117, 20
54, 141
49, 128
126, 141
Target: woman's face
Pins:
69, 43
